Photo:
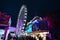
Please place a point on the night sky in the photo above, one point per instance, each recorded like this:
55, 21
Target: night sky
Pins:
35, 7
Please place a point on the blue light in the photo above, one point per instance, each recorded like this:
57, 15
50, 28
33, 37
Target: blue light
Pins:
29, 28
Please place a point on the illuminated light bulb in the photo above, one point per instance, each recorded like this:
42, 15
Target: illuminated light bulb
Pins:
24, 20
24, 24
22, 27
25, 16
22, 30
25, 9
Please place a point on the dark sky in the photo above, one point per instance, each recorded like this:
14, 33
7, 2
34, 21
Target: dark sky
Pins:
35, 7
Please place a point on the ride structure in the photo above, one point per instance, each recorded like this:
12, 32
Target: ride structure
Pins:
21, 22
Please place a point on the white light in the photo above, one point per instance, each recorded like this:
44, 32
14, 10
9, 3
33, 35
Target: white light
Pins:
44, 38
25, 14
29, 22
46, 32
9, 22
24, 20
24, 24
25, 9
22, 30
37, 38
33, 36
22, 27
7, 34
26, 34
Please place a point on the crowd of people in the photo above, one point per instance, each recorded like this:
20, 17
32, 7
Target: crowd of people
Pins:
26, 38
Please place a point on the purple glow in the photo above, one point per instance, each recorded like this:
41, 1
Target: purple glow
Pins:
49, 35
12, 28
50, 22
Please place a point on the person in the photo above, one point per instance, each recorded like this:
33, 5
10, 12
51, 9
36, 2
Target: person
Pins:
9, 36
40, 38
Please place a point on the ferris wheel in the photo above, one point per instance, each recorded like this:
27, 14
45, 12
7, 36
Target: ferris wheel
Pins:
22, 17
